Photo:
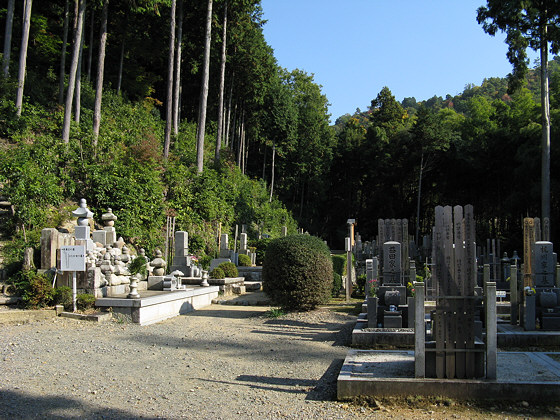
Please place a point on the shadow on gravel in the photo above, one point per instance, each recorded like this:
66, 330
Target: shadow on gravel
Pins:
231, 312
325, 390
339, 333
17, 405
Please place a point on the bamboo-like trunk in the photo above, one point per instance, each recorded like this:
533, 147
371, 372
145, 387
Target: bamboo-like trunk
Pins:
545, 140
8, 38
177, 88
62, 72
90, 46
121, 65
72, 76
78, 103
222, 83
204, 93
169, 99
272, 174
100, 74
23, 55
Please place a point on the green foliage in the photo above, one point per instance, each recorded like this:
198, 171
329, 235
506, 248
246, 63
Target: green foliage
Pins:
244, 260
229, 269
35, 289
138, 266
260, 246
85, 301
337, 284
275, 313
297, 272
218, 273
204, 261
339, 264
361, 283
63, 296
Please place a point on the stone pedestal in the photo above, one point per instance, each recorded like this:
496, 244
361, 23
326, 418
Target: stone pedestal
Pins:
372, 312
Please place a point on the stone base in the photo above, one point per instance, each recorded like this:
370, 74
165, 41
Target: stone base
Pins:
378, 373
155, 283
250, 273
158, 306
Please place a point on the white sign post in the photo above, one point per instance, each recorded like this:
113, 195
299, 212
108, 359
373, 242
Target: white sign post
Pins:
73, 258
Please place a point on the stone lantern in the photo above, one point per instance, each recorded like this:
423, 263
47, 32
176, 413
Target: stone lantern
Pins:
82, 230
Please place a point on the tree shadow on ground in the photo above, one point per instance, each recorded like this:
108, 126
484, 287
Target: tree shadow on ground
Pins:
339, 333
323, 389
19, 405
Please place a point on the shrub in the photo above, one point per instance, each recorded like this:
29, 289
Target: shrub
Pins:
217, 273
229, 268
361, 283
297, 272
337, 284
339, 264
63, 296
35, 289
85, 301
244, 260
204, 261
260, 249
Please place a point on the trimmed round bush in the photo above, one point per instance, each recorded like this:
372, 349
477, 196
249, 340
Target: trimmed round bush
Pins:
217, 273
244, 260
298, 272
229, 268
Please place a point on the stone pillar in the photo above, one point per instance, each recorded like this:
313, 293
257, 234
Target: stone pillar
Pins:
530, 313
419, 331
243, 243
49, 245
284, 231
491, 331
372, 312
348, 243
224, 246
513, 295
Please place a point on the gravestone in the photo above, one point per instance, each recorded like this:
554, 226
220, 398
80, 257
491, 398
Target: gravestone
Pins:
224, 246
392, 263
456, 353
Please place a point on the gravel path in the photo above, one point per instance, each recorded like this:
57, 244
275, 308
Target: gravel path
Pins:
221, 362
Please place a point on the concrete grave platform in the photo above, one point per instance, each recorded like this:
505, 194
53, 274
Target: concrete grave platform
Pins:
362, 336
154, 306
515, 336
522, 376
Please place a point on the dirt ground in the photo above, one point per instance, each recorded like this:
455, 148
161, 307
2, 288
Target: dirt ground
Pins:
221, 362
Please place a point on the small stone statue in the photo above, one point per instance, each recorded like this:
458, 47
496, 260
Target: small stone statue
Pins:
159, 264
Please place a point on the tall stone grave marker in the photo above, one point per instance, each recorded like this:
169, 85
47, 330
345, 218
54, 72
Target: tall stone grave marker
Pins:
454, 278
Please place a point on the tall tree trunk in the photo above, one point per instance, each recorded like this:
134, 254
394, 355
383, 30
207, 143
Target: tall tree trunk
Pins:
272, 173
204, 93
419, 198
8, 38
121, 65
177, 88
72, 75
229, 110
545, 141
23, 55
169, 101
90, 46
78, 102
100, 74
222, 83
264, 163
62, 72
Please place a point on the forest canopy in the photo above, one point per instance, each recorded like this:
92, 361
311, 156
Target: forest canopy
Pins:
271, 157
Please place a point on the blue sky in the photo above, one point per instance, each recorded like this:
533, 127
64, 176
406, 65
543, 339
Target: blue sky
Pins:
356, 47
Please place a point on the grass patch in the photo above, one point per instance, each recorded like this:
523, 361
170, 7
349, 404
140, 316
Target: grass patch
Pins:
275, 313
337, 304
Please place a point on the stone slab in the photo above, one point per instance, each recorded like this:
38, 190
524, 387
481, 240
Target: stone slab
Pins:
521, 376
155, 306
98, 317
